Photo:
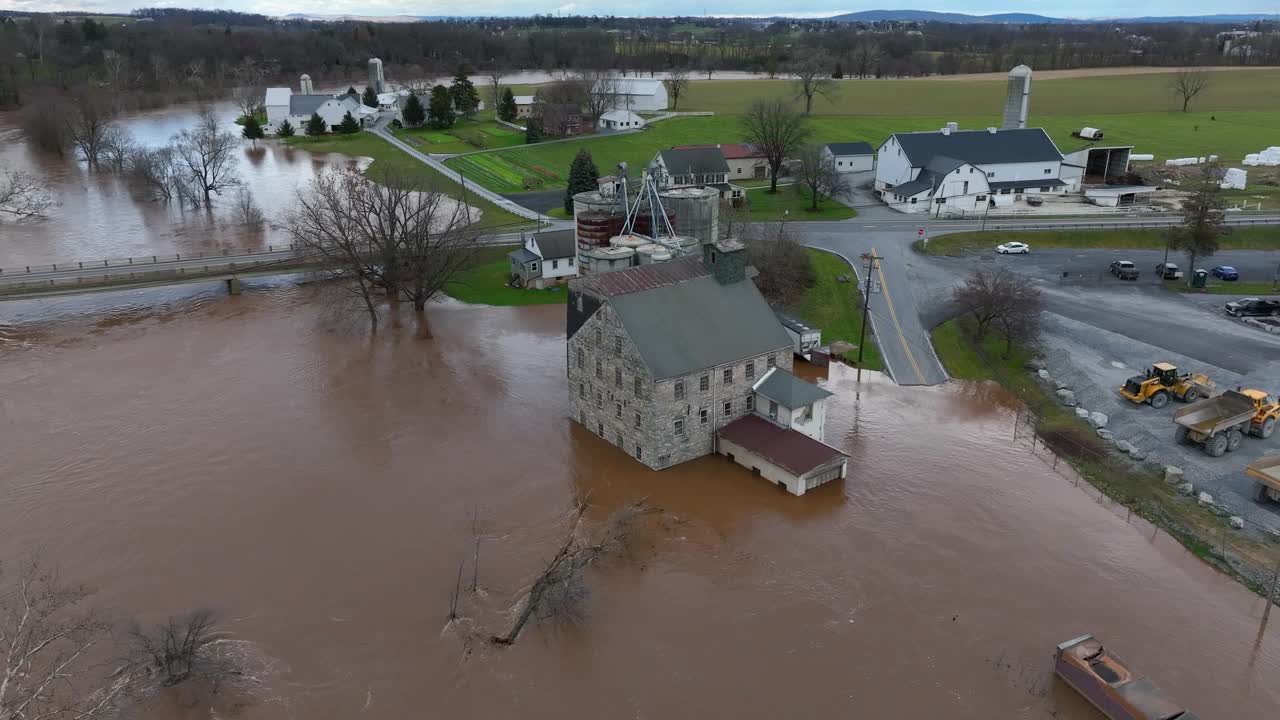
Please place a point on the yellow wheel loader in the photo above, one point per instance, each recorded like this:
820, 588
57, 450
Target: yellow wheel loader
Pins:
1162, 381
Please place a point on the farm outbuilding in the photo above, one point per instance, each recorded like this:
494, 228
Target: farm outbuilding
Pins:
850, 157
1097, 164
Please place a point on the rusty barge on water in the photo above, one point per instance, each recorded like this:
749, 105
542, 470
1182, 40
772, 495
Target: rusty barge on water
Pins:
1110, 685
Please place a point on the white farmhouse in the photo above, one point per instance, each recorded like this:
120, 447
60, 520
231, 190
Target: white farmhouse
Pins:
546, 259
850, 157
952, 171
524, 105
620, 120
638, 95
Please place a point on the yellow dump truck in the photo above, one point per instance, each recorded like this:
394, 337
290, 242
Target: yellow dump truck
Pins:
1162, 381
1267, 472
1218, 424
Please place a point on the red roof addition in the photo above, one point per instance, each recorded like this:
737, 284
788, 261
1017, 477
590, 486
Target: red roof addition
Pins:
795, 452
647, 277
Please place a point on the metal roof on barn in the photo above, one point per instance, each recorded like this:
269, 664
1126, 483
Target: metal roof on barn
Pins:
850, 148
793, 451
644, 277
980, 147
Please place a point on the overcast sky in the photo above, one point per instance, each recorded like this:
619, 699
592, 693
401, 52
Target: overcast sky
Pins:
807, 8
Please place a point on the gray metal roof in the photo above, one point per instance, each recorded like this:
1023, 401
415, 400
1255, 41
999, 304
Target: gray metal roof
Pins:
1037, 182
694, 160
788, 390
914, 187
850, 148
307, 104
698, 324
556, 244
793, 323
979, 146
940, 165
522, 255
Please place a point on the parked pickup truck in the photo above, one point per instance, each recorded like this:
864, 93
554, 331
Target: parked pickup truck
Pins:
1168, 271
1124, 269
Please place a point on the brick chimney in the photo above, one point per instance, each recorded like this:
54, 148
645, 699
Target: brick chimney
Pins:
726, 259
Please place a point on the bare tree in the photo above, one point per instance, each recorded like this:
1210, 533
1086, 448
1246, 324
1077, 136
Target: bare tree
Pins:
247, 211
154, 171
816, 172
495, 73
88, 120
1003, 298
777, 129
394, 237
676, 82
117, 67
602, 91
176, 650
117, 147
1188, 83
784, 265
708, 64
23, 194
51, 137
1203, 217
813, 77
249, 99
48, 633
206, 155
560, 589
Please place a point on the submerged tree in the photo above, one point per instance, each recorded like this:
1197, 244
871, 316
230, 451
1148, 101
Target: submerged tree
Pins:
252, 130
206, 155
23, 194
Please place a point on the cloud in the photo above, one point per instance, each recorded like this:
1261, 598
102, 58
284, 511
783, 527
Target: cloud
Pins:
567, 8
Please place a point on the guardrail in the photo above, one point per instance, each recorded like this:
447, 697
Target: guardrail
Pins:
152, 275
1105, 225
142, 260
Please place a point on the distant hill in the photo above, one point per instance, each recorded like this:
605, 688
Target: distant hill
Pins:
1028, 18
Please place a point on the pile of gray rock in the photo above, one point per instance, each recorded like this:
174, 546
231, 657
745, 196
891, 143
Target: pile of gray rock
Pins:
1173, 476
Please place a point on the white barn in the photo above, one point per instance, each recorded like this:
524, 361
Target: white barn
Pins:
951, 171
620, 120
850, 157
283, 103
638, 95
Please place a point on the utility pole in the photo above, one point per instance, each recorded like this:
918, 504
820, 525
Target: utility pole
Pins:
872, 264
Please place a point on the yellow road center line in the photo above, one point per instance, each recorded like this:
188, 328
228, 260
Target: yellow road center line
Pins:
884, 290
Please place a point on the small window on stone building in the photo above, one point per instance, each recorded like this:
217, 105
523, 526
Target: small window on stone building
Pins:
678, 426
679, 389
728, 408
582, 389
638, 452
751, 371
728, 376
617, 345
617, 377
772, 361
637, 387
637, 421
702, 416
581, 358
599, 399
600, 429
597, 336
751, 403
617, 410
704, 383
620, 443
599, 369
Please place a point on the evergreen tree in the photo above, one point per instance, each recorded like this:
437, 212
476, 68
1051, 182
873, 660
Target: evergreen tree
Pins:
370, 98
348, 125
253, 130
464, 94
533, 131
838, 73
285, 130
351, 90
507, 107
440, 108
414, 114
315, 125
583, 175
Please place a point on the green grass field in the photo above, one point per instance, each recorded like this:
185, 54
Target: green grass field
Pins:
1107, 95
1260, 237
483, 133
1238, 114
836, 307
485, 283
792, 202
1262, 288
389, 159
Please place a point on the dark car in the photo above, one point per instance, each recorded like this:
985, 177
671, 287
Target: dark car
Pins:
1225, 272
1253, 307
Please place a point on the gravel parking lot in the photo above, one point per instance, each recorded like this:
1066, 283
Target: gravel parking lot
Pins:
1095, 362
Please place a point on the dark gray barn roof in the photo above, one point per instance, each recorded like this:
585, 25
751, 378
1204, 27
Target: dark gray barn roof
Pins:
850, 148
694, 160
307, 104
556, 244
698, 324
979, 146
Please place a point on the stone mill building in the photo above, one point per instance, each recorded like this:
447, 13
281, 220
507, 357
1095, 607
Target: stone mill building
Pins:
661, 358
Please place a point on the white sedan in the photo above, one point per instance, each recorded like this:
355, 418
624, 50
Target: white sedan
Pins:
1013, 248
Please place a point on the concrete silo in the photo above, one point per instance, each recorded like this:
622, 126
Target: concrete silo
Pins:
1017, 101
694, 212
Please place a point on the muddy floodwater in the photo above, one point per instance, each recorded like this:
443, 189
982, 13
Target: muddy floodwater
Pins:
316, 488
99, 217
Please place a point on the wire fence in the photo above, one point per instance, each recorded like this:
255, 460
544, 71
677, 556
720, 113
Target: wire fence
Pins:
1130, 487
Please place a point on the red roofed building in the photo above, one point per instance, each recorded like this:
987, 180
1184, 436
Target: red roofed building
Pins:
744, 159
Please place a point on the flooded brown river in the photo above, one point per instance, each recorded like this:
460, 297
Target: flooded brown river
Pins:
315, 487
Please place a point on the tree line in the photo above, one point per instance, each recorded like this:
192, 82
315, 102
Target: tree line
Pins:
195, 53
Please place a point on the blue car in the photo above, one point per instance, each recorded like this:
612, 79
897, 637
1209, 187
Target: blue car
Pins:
1225, 272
